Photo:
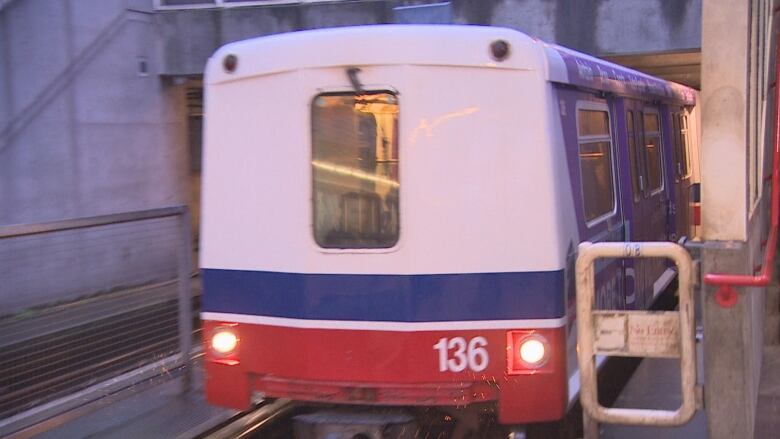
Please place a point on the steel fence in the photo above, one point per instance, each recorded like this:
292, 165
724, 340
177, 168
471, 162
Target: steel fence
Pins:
211, 4
85, 300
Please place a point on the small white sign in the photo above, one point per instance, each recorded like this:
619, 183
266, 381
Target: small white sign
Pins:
611, 332
637, 333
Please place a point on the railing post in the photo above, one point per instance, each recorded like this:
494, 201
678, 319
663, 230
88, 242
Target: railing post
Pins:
590, 427
184, 258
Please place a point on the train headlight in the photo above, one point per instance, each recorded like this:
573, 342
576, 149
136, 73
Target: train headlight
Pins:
224, 341
528, 352
533, 351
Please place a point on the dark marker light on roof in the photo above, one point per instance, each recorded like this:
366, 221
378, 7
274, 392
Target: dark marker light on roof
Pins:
499, 50
230, 63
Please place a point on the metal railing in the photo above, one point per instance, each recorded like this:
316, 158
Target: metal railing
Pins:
212, 4
102, 296
668, 334
726, 296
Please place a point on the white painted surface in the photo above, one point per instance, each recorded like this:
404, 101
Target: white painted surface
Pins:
383, 326
479, 182
374, 46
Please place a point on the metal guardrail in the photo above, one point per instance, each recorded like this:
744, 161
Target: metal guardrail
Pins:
213, 4
726, 296
667, 334
52, 351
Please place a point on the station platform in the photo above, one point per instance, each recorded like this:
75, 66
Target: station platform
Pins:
156, 409
656, 384
768, 408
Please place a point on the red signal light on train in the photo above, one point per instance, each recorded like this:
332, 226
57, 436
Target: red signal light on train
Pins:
527, 352
224, 344
533, 351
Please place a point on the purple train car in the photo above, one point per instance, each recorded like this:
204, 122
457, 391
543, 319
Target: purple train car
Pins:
390, 213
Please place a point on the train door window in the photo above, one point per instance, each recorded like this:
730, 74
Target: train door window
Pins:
652, 144
355, 170
677, 150
595, 151
684, 144
637, 179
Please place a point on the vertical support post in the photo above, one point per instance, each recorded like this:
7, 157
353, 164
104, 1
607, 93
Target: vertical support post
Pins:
590, 427
184, 258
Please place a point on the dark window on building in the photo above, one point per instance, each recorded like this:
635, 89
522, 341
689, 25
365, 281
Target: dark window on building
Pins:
195, 127
355, 170
595, 150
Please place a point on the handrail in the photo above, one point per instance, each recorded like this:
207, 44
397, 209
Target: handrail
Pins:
726, 296
17, 230
621, 336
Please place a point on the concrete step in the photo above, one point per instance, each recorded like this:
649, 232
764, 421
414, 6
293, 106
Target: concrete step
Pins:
772, 330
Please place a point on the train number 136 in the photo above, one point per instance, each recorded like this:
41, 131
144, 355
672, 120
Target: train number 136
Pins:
455, 354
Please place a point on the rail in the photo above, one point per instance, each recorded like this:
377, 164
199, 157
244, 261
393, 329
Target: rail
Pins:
184, 253
164, 5
253, 422
50, 354
726, 296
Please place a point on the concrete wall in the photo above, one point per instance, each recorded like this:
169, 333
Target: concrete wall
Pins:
83, 133
734, 209
598, 27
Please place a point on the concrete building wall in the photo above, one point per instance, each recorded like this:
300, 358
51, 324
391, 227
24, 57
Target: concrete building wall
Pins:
599, 27
84, 132
734, 209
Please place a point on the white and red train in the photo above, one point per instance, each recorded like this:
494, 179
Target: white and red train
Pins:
390, 213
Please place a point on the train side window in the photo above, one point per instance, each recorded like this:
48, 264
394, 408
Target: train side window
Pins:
653, 152
637, 179
355, 170
595, 151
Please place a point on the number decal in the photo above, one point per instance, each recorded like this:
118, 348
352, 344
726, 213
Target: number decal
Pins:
441, 346
455, 354
478, 355
459, 362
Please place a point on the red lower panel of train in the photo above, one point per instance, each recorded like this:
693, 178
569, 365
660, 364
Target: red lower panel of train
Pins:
370, 367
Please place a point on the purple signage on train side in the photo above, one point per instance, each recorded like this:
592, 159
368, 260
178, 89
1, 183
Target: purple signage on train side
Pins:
602, 75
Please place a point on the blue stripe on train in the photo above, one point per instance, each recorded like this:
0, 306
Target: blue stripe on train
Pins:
371, 297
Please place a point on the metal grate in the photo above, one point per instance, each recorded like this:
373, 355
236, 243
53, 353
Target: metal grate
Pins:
83, 301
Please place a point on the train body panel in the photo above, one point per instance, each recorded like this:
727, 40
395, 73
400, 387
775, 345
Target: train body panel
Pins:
445, 151
391, 213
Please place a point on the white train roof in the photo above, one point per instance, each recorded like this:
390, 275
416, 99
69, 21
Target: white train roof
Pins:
375, 45
444, 45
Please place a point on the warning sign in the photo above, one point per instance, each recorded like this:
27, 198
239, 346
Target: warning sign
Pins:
637, 333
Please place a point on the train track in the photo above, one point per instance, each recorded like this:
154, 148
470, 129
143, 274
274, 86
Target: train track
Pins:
270, 420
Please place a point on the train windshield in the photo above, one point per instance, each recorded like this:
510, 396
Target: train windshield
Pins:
355, 170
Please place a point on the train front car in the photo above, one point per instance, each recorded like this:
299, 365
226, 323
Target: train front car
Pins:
382, 221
